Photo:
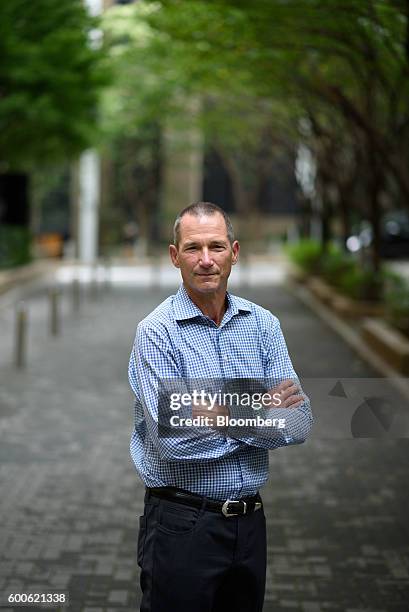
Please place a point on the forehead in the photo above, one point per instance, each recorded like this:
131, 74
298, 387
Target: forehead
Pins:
191, 225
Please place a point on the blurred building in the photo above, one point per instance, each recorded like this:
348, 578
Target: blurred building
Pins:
186, 171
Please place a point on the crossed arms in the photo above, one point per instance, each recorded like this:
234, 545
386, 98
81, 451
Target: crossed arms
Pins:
152, 362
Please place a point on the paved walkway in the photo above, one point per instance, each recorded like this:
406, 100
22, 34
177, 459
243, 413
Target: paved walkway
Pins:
337, 509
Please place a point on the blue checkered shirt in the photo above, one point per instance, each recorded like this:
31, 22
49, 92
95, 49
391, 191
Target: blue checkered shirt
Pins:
177, 341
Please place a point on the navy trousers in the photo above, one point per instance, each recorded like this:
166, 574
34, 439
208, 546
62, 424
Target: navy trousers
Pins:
196, 560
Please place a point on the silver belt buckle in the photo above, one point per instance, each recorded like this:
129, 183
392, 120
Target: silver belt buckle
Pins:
225, 507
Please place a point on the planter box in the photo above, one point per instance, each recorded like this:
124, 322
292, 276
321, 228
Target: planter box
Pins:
341, 304
295, 273
321, 289
347, 307
388, 342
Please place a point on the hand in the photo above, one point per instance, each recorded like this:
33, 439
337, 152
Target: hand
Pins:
288, 391
202, 410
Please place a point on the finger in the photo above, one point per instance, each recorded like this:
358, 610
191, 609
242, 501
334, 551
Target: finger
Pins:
280, 387
294, 401
284, 384
294, 397
200, 413
289, 392
278, 399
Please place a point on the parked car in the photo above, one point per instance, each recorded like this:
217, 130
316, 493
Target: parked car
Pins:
394, 235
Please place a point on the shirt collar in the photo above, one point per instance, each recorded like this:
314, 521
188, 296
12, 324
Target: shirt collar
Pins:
184, 308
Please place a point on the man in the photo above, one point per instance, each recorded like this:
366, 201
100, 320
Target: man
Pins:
202, 537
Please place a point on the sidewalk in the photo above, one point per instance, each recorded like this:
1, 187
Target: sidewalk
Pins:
26, 275
337, 510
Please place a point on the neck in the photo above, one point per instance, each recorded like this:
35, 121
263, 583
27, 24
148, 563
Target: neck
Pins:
212, 305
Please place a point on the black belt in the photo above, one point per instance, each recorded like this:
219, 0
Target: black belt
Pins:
231, 507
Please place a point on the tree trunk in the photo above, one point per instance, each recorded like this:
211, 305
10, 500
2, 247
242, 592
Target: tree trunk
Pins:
344, 208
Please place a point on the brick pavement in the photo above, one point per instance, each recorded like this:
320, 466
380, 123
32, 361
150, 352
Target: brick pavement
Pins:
337, 510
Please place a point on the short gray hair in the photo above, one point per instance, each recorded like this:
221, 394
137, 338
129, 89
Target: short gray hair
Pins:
205, 209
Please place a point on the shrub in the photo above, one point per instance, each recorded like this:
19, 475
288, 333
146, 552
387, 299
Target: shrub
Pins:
397, 302
336, 264
306, 254
15, 246
361, 284
353, 279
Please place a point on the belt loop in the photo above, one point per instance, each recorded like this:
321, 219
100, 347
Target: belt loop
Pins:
203, 506
150, 498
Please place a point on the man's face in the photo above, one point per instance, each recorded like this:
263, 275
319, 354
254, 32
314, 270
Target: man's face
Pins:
204, 255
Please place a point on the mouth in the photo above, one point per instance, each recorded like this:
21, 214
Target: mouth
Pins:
206, 275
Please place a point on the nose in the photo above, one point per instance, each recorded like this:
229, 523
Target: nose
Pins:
205, 259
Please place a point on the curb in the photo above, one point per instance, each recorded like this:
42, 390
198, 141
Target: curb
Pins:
351, 336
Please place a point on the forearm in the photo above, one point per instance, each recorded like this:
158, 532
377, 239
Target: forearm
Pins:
167, 429
277, 417
278, 426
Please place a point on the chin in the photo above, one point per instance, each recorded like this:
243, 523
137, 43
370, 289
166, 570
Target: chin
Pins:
211, 285
207, 286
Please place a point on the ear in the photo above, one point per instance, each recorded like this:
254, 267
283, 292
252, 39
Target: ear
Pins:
236, 249
174, 255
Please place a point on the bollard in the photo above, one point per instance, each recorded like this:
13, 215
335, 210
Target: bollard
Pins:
76, 295
54, 311
94, 287
21, 336
108, 274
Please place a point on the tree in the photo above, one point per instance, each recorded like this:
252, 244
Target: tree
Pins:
347, 62
160, 78
51, 74
50, 78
